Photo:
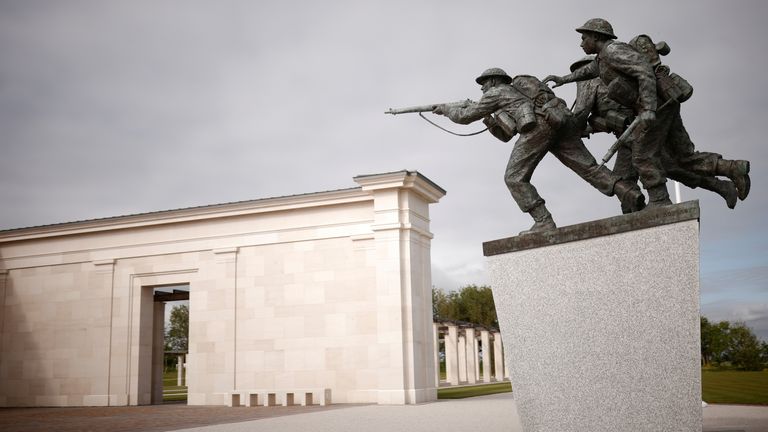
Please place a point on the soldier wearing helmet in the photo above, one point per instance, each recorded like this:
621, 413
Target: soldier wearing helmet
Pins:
595, 112
631, 82
679, 156
525, 105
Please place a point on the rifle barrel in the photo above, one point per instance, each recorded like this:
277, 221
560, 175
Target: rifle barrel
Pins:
413, 109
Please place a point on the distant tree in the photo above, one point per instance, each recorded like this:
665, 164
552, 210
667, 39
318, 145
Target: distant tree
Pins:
471, 303
732, 342
478, 306
715, 341
177, 333
764, 352
706, 341
445, 305
744, 348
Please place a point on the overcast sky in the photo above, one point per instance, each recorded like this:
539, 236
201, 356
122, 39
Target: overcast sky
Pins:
114, 108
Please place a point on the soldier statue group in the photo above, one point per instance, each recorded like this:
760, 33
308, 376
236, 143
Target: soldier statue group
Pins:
623, 89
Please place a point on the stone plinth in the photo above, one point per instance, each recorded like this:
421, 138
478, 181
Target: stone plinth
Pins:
601, 322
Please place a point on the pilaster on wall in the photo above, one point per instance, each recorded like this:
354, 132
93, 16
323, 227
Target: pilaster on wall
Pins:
212, 327
3, 279
101, 280
403, 284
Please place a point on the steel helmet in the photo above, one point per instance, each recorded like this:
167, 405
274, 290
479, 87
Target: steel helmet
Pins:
583, 61
493, 72
597, 25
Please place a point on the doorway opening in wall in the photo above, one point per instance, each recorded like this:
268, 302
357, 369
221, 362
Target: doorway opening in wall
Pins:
169, 377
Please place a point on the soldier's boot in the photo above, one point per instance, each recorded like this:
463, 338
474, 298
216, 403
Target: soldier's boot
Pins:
658, 196
724, 188
543, 220
738, 172
632, 199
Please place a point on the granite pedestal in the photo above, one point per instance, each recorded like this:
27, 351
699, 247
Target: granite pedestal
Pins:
601, 322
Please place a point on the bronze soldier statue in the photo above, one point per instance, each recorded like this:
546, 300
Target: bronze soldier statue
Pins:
593, 110
525, 105
631, 81
596, 112
679, 156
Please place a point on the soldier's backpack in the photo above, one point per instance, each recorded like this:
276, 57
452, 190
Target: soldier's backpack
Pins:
554, 109
671, 85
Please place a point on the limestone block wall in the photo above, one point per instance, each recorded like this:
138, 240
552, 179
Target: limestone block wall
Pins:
330, 290
55, 337
306, 317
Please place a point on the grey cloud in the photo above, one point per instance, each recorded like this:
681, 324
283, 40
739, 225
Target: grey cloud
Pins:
114, 108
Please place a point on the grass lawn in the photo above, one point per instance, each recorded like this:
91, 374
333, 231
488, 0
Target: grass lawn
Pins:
172, 392
471, 391
718, 387
734, 387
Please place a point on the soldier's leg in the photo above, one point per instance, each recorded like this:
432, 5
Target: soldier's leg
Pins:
707, 164
725, 189
680, 147
645, 143
525, 157
738, 172
623, 165
674, 171
627, 173
570, 150
526, 154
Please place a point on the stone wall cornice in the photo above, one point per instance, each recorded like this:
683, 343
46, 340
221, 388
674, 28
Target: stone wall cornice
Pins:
404, 179
188, 214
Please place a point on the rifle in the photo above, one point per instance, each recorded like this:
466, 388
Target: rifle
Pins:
625, 135
426, 108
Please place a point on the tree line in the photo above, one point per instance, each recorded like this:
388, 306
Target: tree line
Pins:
732, 344
723, 344
471, 303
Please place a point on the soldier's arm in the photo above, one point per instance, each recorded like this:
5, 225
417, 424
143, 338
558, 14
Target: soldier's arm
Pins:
586, 95
630, 62
587, 72
473, 111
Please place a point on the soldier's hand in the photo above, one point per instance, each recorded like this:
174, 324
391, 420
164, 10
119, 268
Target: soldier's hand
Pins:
558, 80
489, 121
439, 110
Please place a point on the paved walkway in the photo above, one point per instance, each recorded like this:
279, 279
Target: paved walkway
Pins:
150, 418
487, 413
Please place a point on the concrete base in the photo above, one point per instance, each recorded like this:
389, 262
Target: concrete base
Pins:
601, 323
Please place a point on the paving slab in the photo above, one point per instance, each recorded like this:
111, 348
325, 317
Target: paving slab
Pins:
150, 418
493, 413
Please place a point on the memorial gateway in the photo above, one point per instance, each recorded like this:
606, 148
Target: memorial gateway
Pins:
328, 291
